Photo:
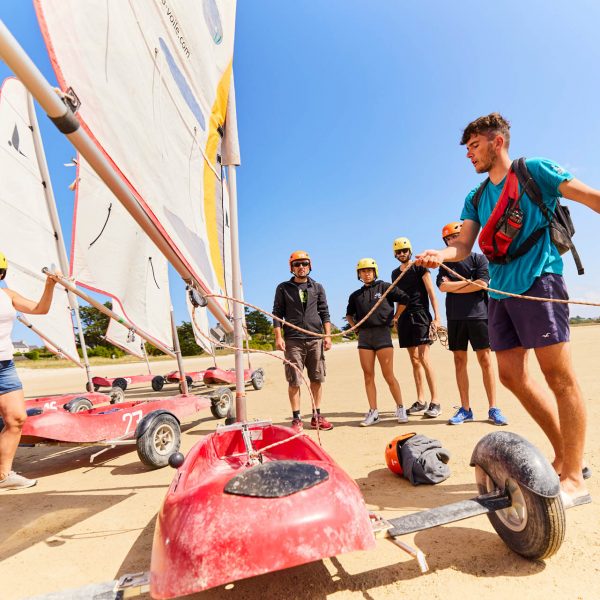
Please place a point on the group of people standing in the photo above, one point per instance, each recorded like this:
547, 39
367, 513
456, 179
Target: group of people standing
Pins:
515, 209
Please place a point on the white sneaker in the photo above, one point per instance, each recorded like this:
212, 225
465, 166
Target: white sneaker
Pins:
401, 414
13, 481
371, 417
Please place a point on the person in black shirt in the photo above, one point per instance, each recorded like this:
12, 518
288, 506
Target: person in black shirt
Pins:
466, 312
414, 325
374, 338
302, 302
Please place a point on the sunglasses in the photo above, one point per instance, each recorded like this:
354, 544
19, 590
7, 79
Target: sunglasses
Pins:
402, 251
300, 263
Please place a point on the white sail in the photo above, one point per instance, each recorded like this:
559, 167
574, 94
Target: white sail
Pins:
110, 254
153, 79
200, 326
28, 237
126, 339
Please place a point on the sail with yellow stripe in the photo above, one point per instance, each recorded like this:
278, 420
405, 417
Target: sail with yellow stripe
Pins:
152, 80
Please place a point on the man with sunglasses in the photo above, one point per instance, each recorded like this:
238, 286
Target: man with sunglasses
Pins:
414, 324
301, 301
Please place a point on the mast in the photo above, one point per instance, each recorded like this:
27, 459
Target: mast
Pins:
66, 122
60, 242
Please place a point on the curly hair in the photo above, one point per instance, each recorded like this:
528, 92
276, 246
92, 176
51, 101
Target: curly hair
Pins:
490, 126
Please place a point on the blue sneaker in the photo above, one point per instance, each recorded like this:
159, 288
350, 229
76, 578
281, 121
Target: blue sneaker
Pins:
496, 417
461, 416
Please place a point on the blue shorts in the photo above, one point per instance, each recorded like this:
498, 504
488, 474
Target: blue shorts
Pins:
515, 322
9, 380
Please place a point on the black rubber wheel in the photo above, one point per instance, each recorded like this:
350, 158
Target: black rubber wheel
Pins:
159, 441
534, 526
89, 387
116, 395
78, 405
158, 383
96, 387
120, 382
189, 381
257, 379
221, 402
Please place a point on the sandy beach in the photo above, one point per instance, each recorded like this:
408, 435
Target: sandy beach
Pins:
86, 523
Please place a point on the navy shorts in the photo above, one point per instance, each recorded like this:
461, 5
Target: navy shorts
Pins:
9, 380
375, 338
413, 329
515, 322
463, 331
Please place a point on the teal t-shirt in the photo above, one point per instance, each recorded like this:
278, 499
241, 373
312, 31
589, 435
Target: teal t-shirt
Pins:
519, 275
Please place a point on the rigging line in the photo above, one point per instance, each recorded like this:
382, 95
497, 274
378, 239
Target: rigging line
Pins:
33, 172
153, 275
511, 295
103, 227
282, 359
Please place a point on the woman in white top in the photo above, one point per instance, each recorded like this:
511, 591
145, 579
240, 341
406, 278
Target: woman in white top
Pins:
12, 399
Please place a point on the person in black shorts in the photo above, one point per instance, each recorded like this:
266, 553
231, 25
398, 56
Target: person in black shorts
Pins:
466, 311
414, 325
374, 338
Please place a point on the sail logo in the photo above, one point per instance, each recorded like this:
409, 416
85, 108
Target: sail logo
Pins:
213, 20
176, 28
15, 142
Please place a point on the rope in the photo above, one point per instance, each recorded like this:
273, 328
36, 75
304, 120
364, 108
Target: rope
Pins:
283, 360
439, 333
489, 289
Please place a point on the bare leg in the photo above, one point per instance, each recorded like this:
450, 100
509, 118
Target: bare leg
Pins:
294, 396
367, 363
428, 368
462, 377
514, 374
12, 410
555, 362
487, 369
385, 356
317, 391
417, 368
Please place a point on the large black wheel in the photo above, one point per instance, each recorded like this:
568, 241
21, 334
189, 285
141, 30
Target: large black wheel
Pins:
257, 379
221, 402
116, 395
534, 525
161, 439
158, 383
120, 382
78, 405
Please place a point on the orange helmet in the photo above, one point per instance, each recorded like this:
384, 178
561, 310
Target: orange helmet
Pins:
392, 453
451, 229
299, 255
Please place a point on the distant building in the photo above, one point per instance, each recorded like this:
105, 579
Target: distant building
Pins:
22, 347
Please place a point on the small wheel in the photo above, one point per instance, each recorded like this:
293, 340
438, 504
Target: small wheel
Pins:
159, 441
158, 383
78, 405
116, 395
533, 526
120, 382
89, 387
96, 387
257, 379
189, 380
221, 402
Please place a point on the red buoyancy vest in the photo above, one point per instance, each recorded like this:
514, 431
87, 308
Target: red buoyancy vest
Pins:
504, 224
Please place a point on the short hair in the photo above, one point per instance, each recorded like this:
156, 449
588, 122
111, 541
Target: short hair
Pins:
490, 126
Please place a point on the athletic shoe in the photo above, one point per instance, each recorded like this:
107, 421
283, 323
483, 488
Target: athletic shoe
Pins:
496, 417
371, 417
461, 416
434, 410
416, 408
324, 424
13, 481
401, 414
297, 425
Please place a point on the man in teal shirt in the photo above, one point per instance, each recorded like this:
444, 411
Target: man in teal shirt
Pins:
518, 325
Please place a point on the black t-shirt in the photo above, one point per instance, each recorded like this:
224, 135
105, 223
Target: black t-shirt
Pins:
413, 285
474, 304
362, 301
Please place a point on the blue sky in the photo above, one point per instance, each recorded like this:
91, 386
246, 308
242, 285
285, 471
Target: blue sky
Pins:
350, 115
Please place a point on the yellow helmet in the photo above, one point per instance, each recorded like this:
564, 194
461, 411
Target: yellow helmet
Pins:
402, 243
299, 255
3, 266
367, 263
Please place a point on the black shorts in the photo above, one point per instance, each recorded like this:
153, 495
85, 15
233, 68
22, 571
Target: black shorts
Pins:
375, 338
413, 329
463, 331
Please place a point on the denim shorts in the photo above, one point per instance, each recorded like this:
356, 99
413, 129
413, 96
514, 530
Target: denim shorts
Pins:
9, 380
515, 322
